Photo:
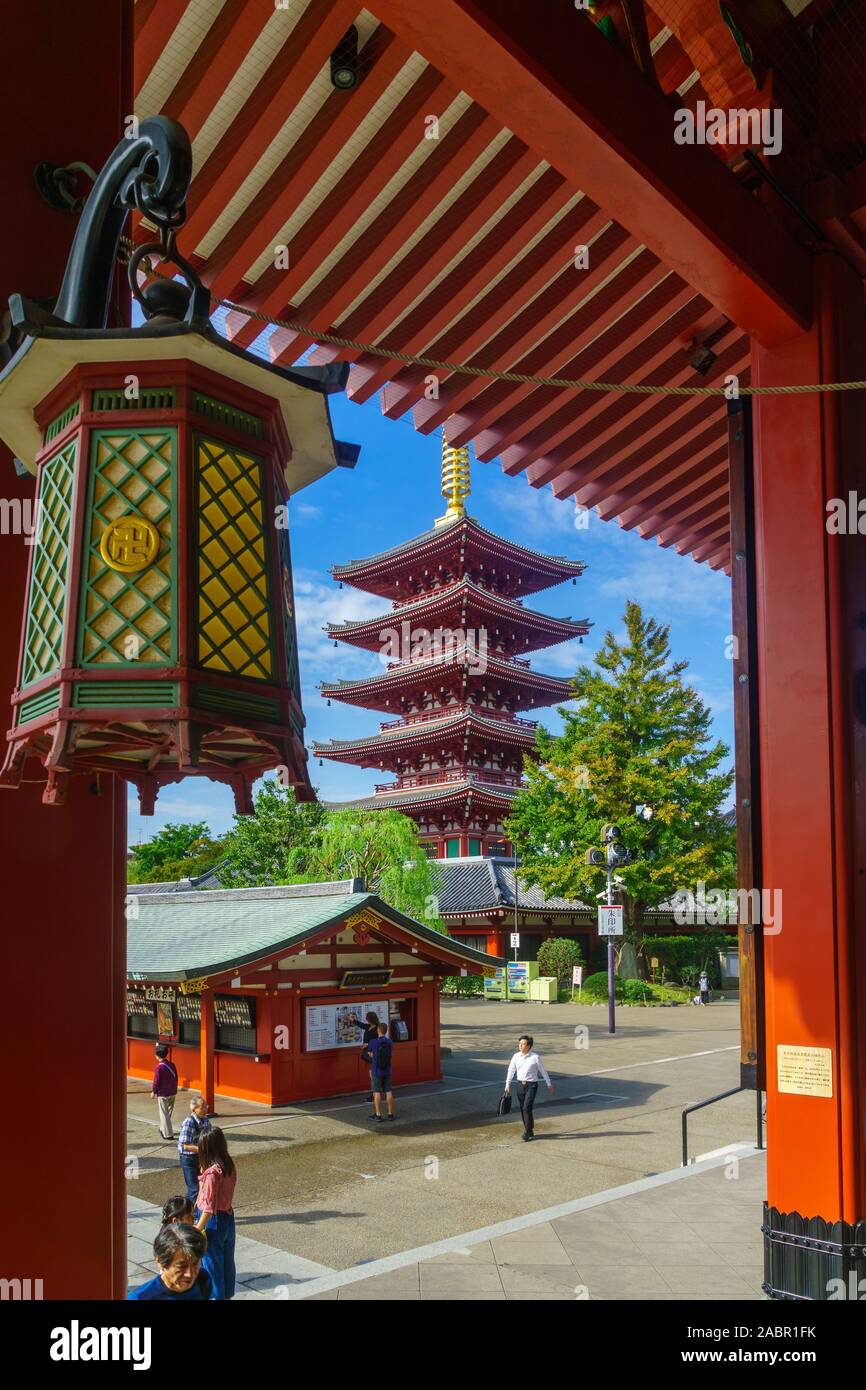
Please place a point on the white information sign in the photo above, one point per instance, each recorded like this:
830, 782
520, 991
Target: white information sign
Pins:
576, 976
610, 921
515, 938
328, 1025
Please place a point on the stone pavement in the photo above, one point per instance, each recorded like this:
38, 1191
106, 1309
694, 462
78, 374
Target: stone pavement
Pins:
693, 1234
689, 1234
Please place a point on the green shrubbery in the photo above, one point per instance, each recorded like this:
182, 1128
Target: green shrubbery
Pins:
461, 984
595, 987
637, 992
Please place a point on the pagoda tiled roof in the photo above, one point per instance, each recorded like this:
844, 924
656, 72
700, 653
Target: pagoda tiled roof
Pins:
481, 884
429, 730
473, 591
354, 568
432, 793
421, 671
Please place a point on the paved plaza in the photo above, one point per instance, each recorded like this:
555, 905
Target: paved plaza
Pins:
448, 1203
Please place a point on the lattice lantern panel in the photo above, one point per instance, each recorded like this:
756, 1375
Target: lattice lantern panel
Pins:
159, 635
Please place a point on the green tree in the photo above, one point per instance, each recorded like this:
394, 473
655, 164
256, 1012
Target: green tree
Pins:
558, 956
285, 841
636, 751
182, 850
382, 847
276, 844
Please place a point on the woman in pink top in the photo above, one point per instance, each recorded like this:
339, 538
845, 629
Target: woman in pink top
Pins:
214, 1213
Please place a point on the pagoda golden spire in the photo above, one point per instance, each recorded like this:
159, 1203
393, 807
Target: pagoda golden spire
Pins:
455, 479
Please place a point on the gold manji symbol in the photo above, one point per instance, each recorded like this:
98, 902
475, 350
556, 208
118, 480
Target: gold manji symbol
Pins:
129, 544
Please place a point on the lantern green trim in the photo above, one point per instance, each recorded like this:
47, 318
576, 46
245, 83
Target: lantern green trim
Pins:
46, 602
37, 705
150, 398
60, 422
237, 702
126, 694
229, 415
132, 472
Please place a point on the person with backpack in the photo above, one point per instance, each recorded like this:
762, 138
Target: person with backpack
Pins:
381, 1052
164, 1089
371, 1029
704, 986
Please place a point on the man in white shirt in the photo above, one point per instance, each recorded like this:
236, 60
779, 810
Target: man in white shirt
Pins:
526, 1066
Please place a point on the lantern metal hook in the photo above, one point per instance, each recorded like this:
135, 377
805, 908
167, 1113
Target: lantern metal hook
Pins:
150, 172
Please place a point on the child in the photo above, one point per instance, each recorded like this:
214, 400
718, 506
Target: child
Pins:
178, 1251
178, 1211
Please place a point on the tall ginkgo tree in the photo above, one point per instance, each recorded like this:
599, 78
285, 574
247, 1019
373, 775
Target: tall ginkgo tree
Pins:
636, 751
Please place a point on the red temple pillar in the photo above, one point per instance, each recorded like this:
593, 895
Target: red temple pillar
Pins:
811, 645
207, 1047
62, 868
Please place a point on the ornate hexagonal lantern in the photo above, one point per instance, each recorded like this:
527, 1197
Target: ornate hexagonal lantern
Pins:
159, 637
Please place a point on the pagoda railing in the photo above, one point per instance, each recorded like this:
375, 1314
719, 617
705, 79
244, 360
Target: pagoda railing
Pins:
456, 712
457, 774
465, 650
401, 603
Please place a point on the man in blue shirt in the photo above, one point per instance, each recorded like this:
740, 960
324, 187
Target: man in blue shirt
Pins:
381, 1050
194, 1126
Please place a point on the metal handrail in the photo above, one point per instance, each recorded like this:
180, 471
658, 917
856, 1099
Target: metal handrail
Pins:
699, 1105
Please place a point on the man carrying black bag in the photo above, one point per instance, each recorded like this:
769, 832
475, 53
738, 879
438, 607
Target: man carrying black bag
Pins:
526, 1066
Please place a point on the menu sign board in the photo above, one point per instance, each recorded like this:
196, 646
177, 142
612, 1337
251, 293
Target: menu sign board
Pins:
235, 1010
328, 1025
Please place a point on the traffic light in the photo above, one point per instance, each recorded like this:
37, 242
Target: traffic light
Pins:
595, 858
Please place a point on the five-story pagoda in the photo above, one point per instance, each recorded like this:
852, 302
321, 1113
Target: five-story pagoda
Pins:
456, 680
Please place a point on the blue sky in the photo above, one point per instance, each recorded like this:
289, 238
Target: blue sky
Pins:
392, 495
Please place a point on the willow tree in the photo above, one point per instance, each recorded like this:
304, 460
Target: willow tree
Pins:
636, 751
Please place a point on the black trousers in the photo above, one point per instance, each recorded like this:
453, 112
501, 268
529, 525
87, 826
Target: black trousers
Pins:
526, 1093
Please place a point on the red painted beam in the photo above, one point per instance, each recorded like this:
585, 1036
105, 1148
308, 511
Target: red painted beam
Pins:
686, 429
253, 128
448, 161
654, 504
533, 210
521, 309
153, 29
581, 105
377, 314
261, 223
534, 338
557, 415
666, 425
214, 63
612, 420
638, 489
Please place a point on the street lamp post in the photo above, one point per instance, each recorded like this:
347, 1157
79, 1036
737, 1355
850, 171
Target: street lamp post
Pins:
613, 856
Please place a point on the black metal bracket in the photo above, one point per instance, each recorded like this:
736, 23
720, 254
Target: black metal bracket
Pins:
149, 172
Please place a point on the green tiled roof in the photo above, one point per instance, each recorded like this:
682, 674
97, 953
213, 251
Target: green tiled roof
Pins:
176, 936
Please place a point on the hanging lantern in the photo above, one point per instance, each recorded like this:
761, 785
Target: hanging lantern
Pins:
159, 633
